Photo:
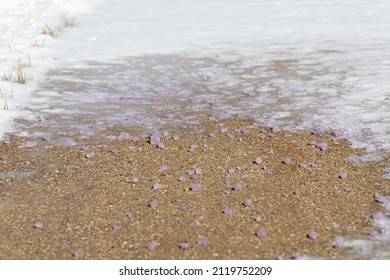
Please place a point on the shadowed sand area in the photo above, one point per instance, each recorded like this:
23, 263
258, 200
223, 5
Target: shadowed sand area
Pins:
83, 200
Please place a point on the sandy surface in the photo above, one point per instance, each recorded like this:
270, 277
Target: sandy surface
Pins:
60, 204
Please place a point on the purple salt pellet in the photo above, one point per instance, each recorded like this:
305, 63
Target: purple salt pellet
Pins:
238, 187
90, 155
287, 160
318, 131
198, 170
134, 180
162, 221
161, 145
343, 175
258, 218
153, 204
248, 202
374, 233
302, 165
117, 227
85, 147
123, 136
323, 146
38, 225
378, 215
229, 135
31, 143
314, 164
193, 147
312, 235
202, 241
182, 206
154, 140
130, 215
195, 187
152, 245
313, 142
212, 135
79, 253
166, 133
261, 233
175, 137
191, 172
184, 245
228, 211
231, 170
163, 168
181, 221
156, 186
258, 160
379, 198
224, 129
182, 179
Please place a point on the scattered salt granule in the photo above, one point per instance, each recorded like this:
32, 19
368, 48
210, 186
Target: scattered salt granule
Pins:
247, 202
212, 135
182, 179
312, 235
238, 187
228, 211
374, 233
84, 147
198, 170
261, 233
90, 155
343, 175
38, 225
193, 147
287, 160
201, 241
134, 180
347, 189
197, 222
258, 160
379, 198
117, 227
163, 168
378, 215
231, 170
195, 187
318, 130
181, 221
184, 245
31, 143
156, 186
161, 145
175, 137
302, 165
152, 245
79, 253
130, 215
224, 129
181, 206
153, 204
323, 146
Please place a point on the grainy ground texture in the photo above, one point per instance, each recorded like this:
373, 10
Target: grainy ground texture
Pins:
218, 190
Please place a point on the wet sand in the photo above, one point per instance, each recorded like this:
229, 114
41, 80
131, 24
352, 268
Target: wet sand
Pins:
64, 202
